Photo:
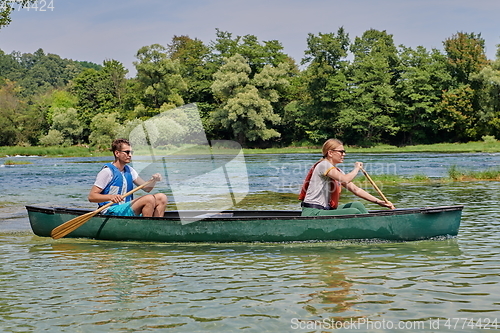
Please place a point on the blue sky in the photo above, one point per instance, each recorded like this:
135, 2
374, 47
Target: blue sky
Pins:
94, 30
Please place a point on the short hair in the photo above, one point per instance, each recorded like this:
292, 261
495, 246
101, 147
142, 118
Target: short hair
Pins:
117, 144
330, 144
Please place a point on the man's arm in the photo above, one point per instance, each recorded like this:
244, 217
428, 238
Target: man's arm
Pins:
96, 196
139, 181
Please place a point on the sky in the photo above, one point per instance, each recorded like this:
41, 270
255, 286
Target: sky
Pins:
98, 30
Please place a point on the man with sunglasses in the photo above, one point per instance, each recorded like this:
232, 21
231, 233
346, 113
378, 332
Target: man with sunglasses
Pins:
118, 178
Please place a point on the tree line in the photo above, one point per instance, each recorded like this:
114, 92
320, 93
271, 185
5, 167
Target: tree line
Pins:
364, 90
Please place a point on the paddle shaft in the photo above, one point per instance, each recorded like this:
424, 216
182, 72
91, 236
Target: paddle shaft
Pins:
125, 195
374, 185
73, 224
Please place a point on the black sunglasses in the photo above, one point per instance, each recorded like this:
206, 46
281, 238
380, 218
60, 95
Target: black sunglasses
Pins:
128, 152
340, 151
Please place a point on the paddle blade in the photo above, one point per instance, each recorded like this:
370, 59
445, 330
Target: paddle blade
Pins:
71, 225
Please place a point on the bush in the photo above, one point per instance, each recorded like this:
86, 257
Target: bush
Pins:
54, 138
489, 138
65, 120
104, 129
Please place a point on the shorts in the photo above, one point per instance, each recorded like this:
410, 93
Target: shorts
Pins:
124, 209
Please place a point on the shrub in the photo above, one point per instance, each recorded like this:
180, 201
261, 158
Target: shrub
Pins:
54, 138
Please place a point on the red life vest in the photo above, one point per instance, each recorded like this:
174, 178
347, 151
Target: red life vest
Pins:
335, 188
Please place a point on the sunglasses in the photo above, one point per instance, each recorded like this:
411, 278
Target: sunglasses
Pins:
128, 152
340, 151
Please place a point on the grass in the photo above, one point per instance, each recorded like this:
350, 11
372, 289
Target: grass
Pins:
393, 179
454, 174
486, 146
489, 146
457, 174
74, 151
11, 162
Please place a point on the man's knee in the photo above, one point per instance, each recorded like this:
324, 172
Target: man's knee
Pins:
147, 200
161, 199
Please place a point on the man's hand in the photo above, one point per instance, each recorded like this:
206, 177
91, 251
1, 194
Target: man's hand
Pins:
156, 177
116, 198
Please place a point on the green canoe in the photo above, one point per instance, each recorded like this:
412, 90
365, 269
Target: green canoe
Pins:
255, 226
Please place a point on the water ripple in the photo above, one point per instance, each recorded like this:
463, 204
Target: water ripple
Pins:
75, 285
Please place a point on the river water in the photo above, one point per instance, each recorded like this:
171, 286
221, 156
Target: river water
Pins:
79, 285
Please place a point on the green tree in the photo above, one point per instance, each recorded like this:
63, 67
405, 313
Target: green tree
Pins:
39, 73
456, 114
257, 54
104, 129
487, 82
423, 76
466, 55
368, 115
466, 59
66, 127
88, 64
326, 84
10, 108
197, 72
21, 122
115, 73
54, 138
171, 127
246, 103
160, 78
86, 87
102, 91
57, 99
8, 65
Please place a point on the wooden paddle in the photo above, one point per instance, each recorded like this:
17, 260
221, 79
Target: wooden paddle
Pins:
374, 185
75, 223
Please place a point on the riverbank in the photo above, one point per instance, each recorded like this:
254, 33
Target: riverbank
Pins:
469, 147
74, 151
490, 146
454, 172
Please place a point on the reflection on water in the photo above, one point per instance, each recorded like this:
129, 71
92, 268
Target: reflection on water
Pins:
76, 285
83, 285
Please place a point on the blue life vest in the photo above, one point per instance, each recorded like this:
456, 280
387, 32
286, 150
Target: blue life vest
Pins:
117, 182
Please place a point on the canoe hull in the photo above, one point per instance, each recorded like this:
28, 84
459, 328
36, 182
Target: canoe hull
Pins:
255, 226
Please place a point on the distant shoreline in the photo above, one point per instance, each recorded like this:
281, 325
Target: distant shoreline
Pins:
455, 173
81, 151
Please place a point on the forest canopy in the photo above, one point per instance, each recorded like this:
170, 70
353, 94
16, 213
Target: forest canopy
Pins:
364, 90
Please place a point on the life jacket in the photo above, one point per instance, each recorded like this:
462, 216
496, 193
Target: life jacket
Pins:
117, 182
335, 188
